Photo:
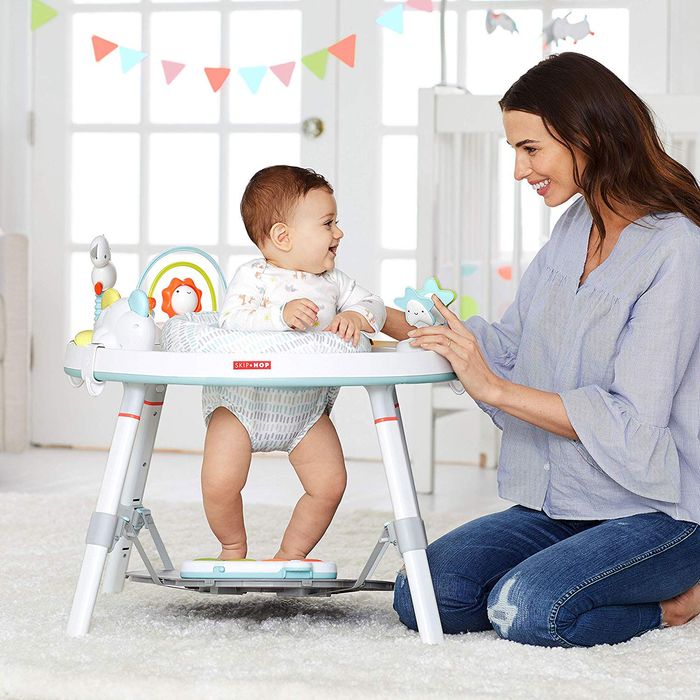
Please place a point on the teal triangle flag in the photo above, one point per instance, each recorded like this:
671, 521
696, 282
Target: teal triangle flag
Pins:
393, 19
253, 76
130, 58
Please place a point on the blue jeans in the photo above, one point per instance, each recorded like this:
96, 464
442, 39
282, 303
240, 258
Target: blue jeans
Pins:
558, 583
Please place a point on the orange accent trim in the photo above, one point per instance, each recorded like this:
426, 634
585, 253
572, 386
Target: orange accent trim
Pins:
381, 420
129, 415
153, 403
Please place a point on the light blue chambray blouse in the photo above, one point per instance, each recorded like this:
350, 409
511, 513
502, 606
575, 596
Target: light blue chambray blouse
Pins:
623, 352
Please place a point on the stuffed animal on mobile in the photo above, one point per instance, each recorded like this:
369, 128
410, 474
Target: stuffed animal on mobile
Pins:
561, 28
499, 19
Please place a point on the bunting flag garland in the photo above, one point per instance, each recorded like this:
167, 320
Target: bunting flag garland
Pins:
506, 272
41, 14
284, 71
425, 5
392, 19
316, 62
217, 77
102, 47
171, 69
253, 76
344, 50
130, 58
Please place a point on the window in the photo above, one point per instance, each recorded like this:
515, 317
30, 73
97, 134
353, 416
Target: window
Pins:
153, 165
483, 63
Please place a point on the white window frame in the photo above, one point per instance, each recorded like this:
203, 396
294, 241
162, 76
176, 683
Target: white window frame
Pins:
52, 422
648, 74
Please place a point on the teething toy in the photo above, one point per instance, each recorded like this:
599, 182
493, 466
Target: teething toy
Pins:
419, 307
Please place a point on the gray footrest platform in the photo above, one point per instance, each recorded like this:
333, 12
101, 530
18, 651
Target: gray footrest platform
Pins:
282, 587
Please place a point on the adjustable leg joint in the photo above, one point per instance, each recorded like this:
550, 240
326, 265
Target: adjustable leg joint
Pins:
409, 534
133, 521
102, 530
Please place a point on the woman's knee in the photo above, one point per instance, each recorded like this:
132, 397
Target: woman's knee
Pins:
461, 603
521, 610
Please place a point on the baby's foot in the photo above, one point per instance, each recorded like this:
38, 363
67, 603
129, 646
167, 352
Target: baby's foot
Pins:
231, 553
288, 556
682, 608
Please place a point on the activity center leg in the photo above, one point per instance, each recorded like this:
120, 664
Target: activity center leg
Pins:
134, 486
103, 523
410, 532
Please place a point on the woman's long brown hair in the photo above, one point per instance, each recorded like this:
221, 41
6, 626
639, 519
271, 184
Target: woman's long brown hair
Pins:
586, 106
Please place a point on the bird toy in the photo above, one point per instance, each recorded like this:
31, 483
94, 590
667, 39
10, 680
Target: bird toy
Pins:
104, 274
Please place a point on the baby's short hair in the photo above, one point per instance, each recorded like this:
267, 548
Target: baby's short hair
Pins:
272, 194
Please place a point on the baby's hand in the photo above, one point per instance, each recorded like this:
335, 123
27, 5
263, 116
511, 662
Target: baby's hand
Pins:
300, 314
347, 325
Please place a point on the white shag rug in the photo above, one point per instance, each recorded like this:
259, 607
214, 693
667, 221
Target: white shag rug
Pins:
157, 643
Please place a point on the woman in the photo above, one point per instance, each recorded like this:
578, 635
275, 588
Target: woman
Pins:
593, 374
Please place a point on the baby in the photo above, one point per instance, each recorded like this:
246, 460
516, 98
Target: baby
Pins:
290, 215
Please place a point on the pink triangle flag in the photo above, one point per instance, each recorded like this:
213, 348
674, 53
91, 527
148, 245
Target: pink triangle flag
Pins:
171, 70
284, 71
425, 5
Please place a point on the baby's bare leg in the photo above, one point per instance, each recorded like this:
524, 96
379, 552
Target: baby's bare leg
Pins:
319, 463
227, 453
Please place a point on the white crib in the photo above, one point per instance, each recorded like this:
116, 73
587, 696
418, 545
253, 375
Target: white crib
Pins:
463, 208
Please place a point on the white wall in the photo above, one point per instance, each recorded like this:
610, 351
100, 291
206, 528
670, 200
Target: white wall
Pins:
684, 47
14, 116
678, 74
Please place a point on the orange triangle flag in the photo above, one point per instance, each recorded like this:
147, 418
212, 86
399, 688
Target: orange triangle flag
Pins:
506, 272
217, 77
345, 50
102, 47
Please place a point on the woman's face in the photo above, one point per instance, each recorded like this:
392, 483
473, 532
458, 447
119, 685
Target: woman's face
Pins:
540, 158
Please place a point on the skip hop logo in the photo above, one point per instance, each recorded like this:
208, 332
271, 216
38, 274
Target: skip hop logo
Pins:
252, 364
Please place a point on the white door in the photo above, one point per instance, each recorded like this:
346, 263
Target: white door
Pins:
152, 165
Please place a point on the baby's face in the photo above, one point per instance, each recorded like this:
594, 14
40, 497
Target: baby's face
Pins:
314, 233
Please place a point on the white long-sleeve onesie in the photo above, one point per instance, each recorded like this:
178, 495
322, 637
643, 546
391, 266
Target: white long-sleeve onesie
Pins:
278, 419
257, 294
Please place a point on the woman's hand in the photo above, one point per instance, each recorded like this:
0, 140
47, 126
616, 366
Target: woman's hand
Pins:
460, 348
